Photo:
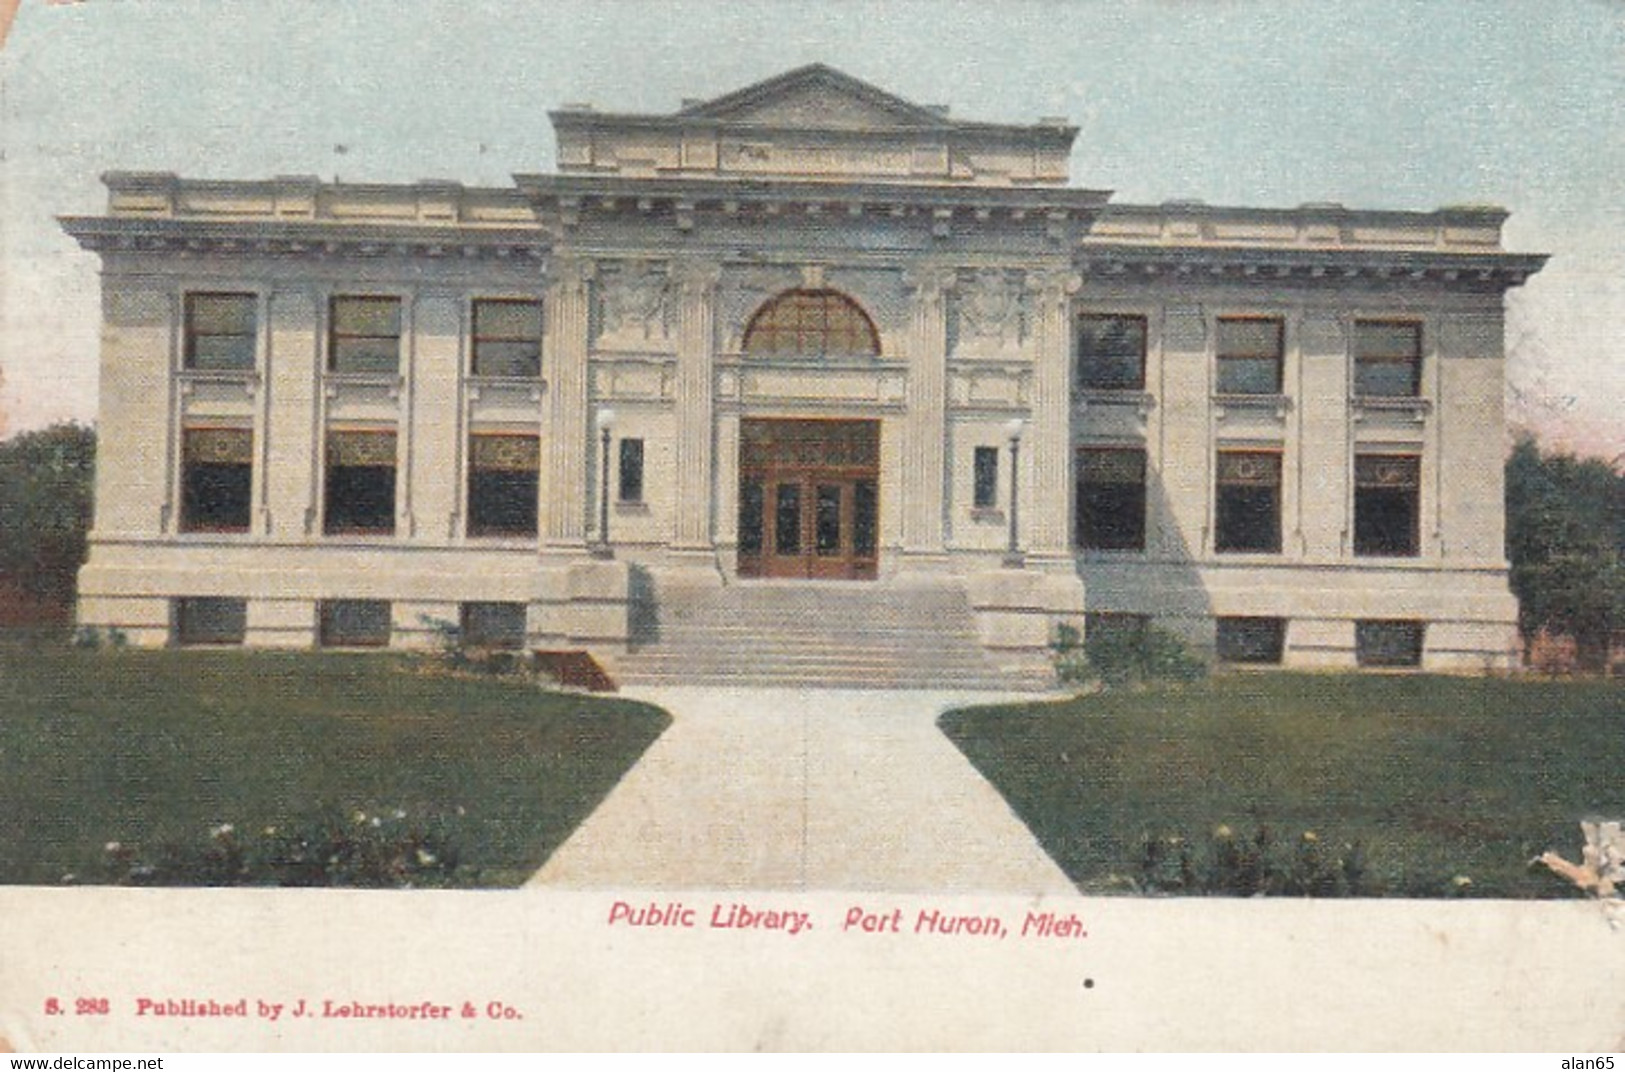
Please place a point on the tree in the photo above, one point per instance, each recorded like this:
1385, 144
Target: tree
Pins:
46, 481
1566, 543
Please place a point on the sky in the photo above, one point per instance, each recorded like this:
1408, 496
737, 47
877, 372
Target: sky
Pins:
1408, 104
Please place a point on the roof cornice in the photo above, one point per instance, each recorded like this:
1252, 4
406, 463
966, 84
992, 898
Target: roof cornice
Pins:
1493, 269
115, 234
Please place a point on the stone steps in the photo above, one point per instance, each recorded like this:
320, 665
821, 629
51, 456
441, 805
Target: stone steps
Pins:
815, 635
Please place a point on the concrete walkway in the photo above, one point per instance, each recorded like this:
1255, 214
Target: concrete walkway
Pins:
781, 789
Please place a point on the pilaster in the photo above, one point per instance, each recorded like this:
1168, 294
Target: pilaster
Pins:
292, 434
1323, 438
696, 284
925, 424
1048, 445
564, 367
435, 413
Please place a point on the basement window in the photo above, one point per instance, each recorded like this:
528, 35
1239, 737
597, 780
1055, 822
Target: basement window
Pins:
210, 620
1388, 643
354, 623
494, 625
1251, 640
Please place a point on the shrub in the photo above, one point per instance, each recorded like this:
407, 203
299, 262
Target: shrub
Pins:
1123, 656
380, 851
1229, 865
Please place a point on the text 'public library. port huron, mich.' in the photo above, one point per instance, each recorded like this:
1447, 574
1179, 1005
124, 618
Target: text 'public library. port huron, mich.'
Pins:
806, 379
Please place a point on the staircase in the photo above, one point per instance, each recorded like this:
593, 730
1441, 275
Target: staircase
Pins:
813, 634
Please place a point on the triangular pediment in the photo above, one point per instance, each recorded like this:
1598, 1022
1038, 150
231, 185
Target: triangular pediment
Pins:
816, 96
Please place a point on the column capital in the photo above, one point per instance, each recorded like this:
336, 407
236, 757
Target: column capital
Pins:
1054, 287
695, 278
570, 273
929, 282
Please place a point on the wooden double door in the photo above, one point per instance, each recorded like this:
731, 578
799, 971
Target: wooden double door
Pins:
809, 499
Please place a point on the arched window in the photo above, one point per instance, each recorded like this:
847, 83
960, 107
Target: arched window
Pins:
809, 323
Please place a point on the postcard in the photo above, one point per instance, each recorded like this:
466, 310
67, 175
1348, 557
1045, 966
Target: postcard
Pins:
875, 525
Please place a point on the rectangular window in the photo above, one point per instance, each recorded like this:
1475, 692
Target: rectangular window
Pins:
360, 483
630, 473
494, 625
1388, 643
1248, 502
1250, 355
1111, 499
354, 623
221, 331
507, 338
365, 335
217, 479
208, 620
985, 478
1387, 512
1111, 352
1387, 359
1252, 640
1114, 627
502, 485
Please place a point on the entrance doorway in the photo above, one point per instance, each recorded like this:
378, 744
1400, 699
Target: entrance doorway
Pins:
809, 498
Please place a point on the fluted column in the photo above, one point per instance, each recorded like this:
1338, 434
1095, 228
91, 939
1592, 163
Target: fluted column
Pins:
696, 284
564, 367
926, 422
1047, 514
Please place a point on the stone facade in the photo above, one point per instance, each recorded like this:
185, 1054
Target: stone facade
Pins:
1276, 431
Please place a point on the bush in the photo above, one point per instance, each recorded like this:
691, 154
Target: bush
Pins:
359, 851
454, 655
1123, 656
1228, 865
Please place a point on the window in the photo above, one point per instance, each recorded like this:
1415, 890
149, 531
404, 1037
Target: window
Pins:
985, 478
811, 322
217, 479
220, 331
360, 483
507, 338
1387, 516
1111, 500
1388, 643
494, 625
1248, 502
209, 620
1252, 640
1387, 359
1249, 351
502, 485
630, 473
1111, 352
1116, 628
354, 623
366, 335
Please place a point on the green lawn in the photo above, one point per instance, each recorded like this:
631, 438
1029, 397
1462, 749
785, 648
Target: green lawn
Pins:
1433, 777
154, 747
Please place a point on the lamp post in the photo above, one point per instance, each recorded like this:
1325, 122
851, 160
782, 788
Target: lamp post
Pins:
1012, 556
606, 422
